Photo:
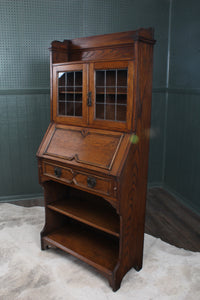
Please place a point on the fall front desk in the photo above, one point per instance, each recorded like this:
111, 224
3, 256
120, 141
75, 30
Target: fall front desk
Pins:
92, 169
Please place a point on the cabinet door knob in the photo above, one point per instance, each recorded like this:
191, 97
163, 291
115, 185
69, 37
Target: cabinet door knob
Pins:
91, 182
89, 99
57, 172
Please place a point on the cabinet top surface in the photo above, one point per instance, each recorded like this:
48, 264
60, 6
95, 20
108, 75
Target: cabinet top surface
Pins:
120, 38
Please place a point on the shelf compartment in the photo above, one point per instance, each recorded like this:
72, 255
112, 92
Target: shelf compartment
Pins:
97, 249
111, 93
70, 92
96, 213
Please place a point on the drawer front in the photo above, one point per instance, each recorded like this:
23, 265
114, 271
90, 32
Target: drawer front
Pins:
72, 177
63, 174
93, 183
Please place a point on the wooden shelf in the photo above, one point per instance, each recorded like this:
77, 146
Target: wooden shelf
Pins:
111, 93
94, 248
99, 93
96, 213
109, 103
71, 92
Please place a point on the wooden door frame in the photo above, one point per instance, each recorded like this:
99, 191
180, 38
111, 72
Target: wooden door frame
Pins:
73, 120
107, 124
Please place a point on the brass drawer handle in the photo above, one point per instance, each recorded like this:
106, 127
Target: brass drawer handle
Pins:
91, 182
58, 172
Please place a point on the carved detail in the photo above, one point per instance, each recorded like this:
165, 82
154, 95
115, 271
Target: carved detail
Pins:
84, 132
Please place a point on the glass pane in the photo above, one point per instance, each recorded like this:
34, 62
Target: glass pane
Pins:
70, 79
111, 94
99, 98
110, 98
110, 112
122, 78
100, 78
121, 113
78, 90
61, 96
61, 108
70, 93
121, 90
78, 78
111, 90
70, 108
78, 109
78, 98
110, 78
100, 111
121, 99
61, 79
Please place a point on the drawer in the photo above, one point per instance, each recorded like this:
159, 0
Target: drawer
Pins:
92, 182
83, 180
61, 173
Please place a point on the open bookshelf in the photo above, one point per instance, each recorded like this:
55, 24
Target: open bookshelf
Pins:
83, 225
95, 248
98, 214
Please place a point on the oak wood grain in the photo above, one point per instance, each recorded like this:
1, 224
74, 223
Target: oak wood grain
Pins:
94, 212
93, 153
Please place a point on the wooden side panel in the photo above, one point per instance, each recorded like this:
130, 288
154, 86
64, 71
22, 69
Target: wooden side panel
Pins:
134, 175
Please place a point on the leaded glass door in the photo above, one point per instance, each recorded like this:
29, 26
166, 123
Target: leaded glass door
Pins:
112, 94
70, 93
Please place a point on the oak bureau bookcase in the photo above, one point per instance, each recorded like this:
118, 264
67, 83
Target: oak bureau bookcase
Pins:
93, 174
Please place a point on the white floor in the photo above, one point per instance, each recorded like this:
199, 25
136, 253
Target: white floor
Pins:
26, 272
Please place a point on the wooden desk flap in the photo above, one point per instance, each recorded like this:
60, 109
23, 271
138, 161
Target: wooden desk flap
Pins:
89, 147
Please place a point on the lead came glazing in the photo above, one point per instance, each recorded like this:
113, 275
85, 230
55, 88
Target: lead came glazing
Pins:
70, 93
111, 94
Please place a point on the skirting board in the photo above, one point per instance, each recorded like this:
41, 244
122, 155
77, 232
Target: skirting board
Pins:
181, 199
20, 197
40, 195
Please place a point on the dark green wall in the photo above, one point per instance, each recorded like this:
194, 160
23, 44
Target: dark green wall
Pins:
182, 160
157, 133
185, 45
23, 121
27, 29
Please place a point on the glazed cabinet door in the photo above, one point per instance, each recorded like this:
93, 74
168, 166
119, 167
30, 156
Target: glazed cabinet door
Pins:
70, 93
111, 91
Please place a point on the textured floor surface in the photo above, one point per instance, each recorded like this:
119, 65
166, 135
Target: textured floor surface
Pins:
26, 272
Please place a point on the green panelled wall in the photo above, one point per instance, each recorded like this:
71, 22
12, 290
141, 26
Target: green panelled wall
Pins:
182, 161
157, 133
185, 45
182, 174
27, 29
23, 122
